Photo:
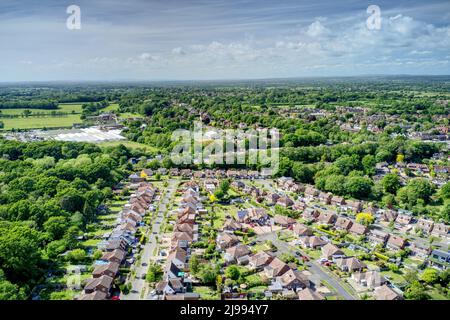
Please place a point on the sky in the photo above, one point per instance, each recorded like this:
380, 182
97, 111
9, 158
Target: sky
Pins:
221, 39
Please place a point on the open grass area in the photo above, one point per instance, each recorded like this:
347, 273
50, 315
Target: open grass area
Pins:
206, 293
40, 122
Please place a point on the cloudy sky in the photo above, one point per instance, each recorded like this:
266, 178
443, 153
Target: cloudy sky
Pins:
220, 39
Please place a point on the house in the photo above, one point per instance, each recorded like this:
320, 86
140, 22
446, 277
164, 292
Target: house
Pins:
358, 229
325, 197
395, 242
440, 259
309, 294
389, 215
169, 287
369, 279
178, 257
96, 295
425, 225
310, 214
135, 178
301, 230
233, 253
225, 240
260, 260
331, 252
420, 249
337, 201
378, 236
116, 256
312, 242
275, 268
343, 224
326, 217
355, 206
186, 227
109, 269
283, 221
386, 293
232, 225
285, 202
272, 198
311, 192
116, 244
403, 219
350, 264
440, 230
171, 271
294, 280
102, 284
145, 173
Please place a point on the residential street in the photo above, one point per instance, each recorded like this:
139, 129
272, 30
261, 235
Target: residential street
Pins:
148, 251
314, 268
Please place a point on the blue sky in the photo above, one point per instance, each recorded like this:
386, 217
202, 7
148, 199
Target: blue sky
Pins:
223, 39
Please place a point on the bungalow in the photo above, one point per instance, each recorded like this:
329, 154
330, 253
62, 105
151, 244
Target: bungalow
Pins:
233, 253
355, 206
232, 225
395, 242
226, 240
260, 260
350, 264
326, 217
425, 225
299, 206
440, 230
284, 221
403, 219
309, 294
311, 193
102, 284
331, 252
343, 223
440, 259
116, 256
96, 295
310, 214
312, 242
369, 279
285, 201
110, 269
389, 215
272, 198
294, 280
378, 236
275, 268
419, 249
301, 230
337, 201
358, 229
386, 293
325, 197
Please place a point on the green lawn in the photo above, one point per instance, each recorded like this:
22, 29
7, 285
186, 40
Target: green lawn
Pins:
40, 122
129, 144
206, 293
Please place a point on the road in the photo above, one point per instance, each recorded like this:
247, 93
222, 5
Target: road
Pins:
313, 267
137, 283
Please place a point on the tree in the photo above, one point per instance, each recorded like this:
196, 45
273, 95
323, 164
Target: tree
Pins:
430, 276
77, 255
154, 273
358, 187
391, 183
208, 274
56, 227
416, 291
194, 264
9, 291
232, 272
444, 192
365, 218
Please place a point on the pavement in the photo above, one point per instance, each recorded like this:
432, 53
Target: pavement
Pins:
147, 253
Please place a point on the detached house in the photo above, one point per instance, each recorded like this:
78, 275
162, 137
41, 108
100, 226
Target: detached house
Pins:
337, 201
232, 254
350, 264
285, 201
309, 294
301, 230
102, 284
403, 219
275, 268
425, 225
326, 217
226, 240
386, 293
395, 242
358, 229
283, 221
343, 224
331, 252
378, 236
312, 242
325, 197
259, 260
369, 279
440, 230
294, 280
